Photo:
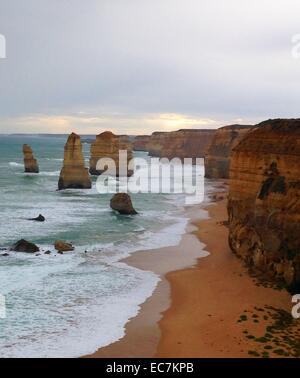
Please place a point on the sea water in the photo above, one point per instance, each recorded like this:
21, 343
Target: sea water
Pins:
70, 305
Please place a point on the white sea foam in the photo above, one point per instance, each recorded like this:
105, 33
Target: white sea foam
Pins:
14, 164
54, 173
70, 305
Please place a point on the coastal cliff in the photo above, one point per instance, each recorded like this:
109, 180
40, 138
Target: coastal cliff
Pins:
264, 205
217, 160
181, 143
141, 143
74, 174
108, 145
30, 163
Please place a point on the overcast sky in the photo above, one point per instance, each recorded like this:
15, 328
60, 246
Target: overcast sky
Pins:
136, 66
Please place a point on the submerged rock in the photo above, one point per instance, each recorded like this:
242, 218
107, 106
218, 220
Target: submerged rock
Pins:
40, 218
5, 255
62, 246
74, 175
25, 246
30, 163
122, 203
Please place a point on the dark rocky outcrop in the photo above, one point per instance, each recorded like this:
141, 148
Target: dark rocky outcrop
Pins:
25, 246
40, 218
74, 175
264, 200
30, 163
122, 203
62, 246
217, 160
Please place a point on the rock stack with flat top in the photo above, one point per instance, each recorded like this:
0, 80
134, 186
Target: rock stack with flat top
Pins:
108, 145
30, 163
74, 175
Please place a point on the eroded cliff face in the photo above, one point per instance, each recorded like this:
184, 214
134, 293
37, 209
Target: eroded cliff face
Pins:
141, 143
217, 160
108, 145
264, 200
74, 175
181, 144
30, 163
156, 143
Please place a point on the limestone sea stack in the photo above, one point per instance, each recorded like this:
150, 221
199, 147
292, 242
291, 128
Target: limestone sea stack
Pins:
108, 145
30, 163
264, 200
74, 175
217, 160
180, 144
122, 203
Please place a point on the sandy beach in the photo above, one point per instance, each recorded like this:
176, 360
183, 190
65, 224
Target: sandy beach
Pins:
207, 304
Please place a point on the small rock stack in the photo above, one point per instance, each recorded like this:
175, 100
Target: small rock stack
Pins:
30, 163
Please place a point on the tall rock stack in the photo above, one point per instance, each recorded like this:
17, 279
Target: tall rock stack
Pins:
108, 145
30, 163
217, 160
74, 175
264, 200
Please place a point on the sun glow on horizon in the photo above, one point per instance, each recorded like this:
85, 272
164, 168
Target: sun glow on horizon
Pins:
92, 123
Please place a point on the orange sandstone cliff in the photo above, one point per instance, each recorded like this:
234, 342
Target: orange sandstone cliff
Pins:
141, 143
74, 174
264, 200
30, 163
181, 144
217, 160
108, 145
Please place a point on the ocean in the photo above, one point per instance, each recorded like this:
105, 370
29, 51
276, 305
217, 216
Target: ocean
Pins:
71, 305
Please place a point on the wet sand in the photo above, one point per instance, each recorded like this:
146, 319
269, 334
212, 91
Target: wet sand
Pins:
195, 309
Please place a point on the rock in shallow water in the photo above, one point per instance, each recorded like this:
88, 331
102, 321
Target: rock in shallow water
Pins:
25, 246
40, 218
122, 203
62, 246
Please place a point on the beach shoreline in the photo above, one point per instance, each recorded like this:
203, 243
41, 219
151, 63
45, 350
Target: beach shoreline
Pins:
142, 333
204, 290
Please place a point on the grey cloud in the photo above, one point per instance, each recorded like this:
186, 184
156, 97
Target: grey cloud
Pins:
200, 57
